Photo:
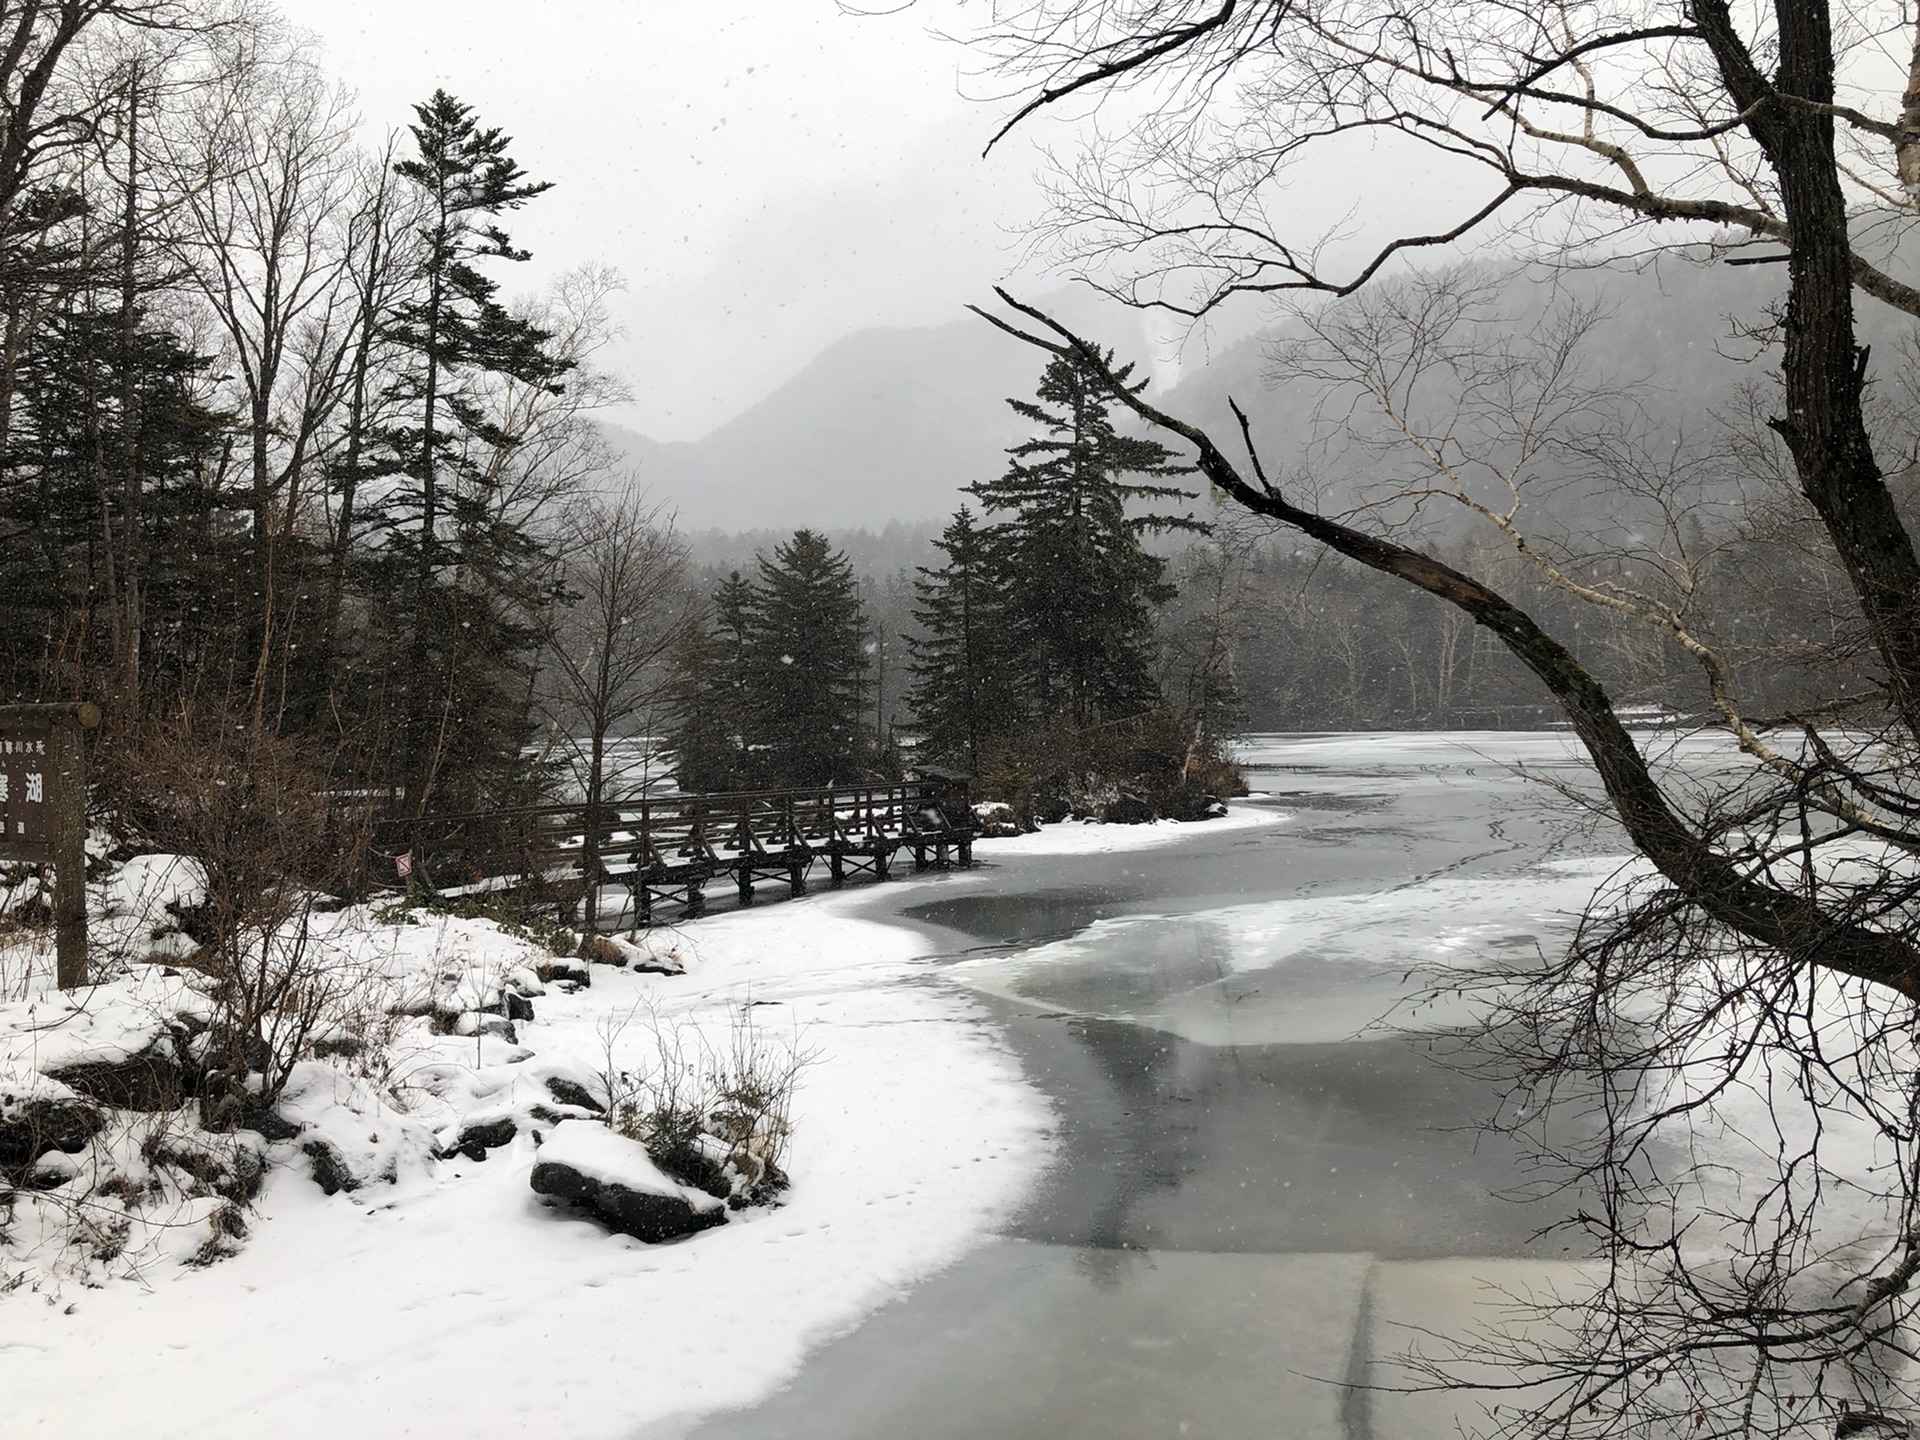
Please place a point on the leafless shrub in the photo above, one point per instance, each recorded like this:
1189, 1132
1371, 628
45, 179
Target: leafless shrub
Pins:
719, 1117
253, 811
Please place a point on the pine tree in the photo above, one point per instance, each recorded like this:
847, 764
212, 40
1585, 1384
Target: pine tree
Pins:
707, 694
139, 556
1081, 592
960, 696
805, 663
463, 576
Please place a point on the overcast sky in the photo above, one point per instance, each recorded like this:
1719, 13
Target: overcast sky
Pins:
768, 174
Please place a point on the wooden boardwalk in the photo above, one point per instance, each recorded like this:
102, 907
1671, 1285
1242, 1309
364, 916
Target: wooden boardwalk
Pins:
668, 852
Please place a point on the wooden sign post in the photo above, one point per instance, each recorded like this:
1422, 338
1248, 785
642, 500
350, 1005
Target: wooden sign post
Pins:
43, 814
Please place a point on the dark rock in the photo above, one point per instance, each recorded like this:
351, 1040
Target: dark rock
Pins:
567, 971
571, 1092
150, 1081
519, 1007
268, 1122
30, 1128
343, 1047
475, 1140
644, 1216
482, 1022
330, 1169
233, 1170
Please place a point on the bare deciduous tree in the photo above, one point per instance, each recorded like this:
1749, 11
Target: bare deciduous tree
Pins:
602, 670
1737, 1015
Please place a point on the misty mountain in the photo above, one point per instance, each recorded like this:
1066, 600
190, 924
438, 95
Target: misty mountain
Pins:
1672, 335
1676, 343
888, 425
883, 425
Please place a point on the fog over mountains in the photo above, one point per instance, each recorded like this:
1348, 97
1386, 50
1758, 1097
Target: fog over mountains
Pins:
889, 424
883, 425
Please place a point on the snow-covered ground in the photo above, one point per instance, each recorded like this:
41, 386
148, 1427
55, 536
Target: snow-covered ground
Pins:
455, 1301
1090, 837
452, 1301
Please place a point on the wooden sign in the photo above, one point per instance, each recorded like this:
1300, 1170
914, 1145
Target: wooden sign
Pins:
43, 814
26, 811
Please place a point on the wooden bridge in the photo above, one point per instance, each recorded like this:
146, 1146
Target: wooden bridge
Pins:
668, 851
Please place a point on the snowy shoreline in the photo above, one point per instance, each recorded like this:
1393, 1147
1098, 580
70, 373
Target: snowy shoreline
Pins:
454, 1302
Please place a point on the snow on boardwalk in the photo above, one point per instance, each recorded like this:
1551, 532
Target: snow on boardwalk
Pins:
455, 1304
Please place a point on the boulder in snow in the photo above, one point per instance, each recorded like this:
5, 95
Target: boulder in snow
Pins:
565, 972
329, 1167
149, 1081
613, 1179
475, 1137
38, 1115
571, 1092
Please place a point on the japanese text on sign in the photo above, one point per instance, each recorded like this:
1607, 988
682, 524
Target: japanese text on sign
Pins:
26, 761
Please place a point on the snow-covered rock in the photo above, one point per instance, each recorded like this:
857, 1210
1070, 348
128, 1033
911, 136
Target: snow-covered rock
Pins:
649, 957
152, 1080
38, 1115
565, 971
614, 1179
349, 1135
477, 1135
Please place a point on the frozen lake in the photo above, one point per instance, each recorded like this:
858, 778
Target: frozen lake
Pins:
1258, 1191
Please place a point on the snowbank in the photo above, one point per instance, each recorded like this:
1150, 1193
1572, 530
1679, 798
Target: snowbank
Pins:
1092, 837
446, 1298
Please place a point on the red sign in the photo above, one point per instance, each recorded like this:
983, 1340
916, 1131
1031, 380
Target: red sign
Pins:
403, 862
26, 787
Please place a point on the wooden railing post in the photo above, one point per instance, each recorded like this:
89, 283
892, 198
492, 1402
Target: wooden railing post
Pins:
744, 838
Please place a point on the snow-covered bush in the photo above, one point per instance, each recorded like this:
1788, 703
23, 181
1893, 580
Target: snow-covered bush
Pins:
716, 1117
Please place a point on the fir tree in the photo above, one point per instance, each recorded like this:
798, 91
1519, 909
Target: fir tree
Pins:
707, 694
960, 696
805, 662
138, 556
1081, 592
465, 575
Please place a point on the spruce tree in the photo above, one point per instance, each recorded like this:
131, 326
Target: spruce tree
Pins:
1080, 590
707, 694
960, 696
139, 555
806, 659
463, 578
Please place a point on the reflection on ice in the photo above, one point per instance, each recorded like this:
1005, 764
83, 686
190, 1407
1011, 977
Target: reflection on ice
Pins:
1255, 1198
1295, 971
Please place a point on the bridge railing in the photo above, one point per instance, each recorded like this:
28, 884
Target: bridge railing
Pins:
668, 851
